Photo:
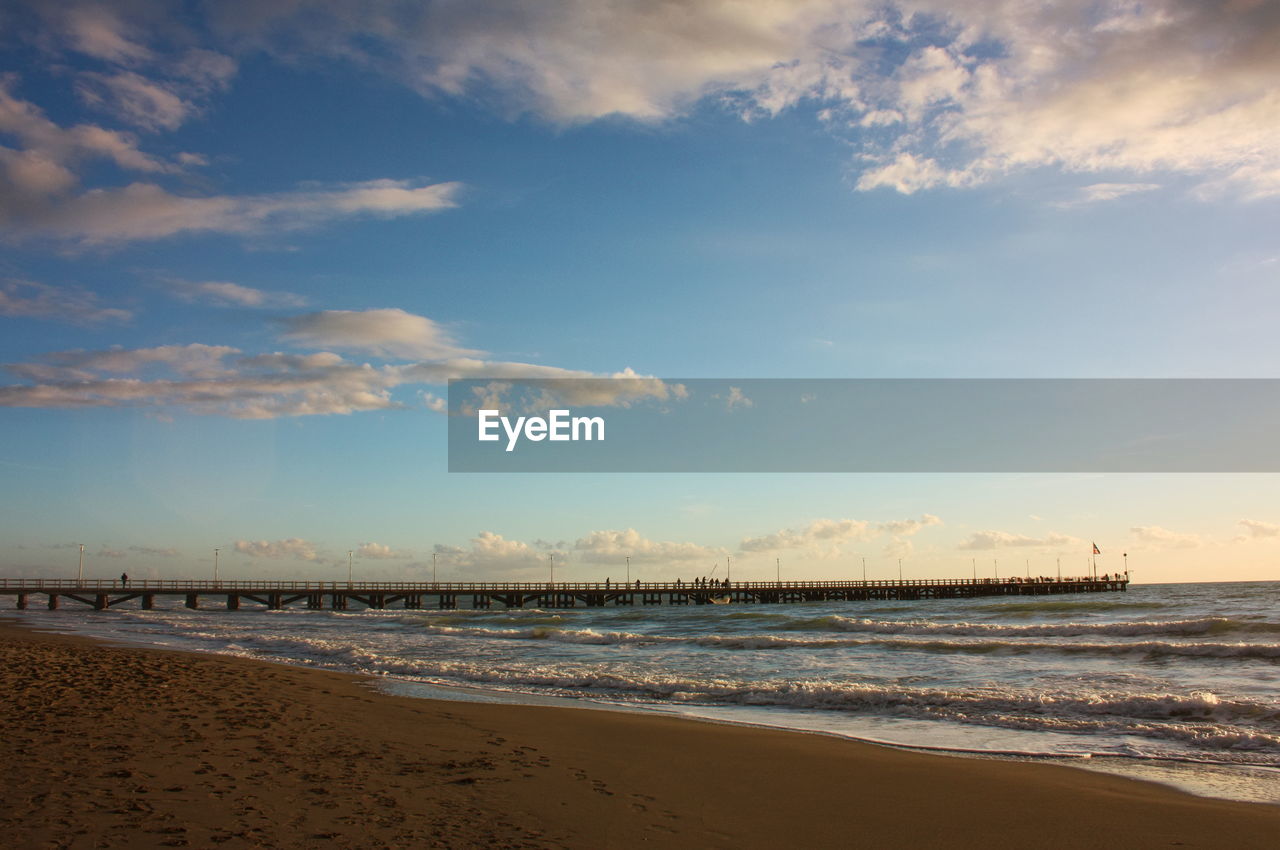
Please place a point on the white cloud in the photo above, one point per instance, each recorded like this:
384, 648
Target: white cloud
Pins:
908, 173
33, 172
981, 541
204, 70
294, 547
615, 546
389, 332
227, 294
40, 195
32, 300
208, 380
908, 527
571, 61
433, 402
175, 91
824, 533
737, 398
259, 387
104, 552
144, 211
135, 99
1257, 529
380, 551
194, 360
530, 388
825, 536
494, 553
934, 93
1178, 86
1163, 538
133, 40
1102, 192
98, 31
41, 136
949, 94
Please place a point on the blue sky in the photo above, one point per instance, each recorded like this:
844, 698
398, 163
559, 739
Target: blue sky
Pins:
713, 189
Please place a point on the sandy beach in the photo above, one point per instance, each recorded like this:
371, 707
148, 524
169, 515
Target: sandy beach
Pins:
124, 747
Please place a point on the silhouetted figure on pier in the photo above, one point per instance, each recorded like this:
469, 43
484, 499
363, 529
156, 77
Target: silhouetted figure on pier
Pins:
606, 582
124, 579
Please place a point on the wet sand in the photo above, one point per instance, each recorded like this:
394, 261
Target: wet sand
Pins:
137, 748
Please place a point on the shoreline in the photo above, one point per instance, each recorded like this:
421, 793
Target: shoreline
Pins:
1231, 781
136, 747
1238, 782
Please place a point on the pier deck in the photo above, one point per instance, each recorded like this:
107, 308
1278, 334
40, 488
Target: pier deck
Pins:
341, 595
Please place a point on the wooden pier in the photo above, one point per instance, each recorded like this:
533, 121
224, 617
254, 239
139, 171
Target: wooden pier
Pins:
340, 596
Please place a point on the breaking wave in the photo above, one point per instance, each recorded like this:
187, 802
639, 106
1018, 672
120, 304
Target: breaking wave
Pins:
1196, 626
1200, 719
766, 641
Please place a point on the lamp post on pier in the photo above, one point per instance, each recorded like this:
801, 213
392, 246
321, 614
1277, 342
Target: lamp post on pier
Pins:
628, 569
349, 559
215, 566
80, 572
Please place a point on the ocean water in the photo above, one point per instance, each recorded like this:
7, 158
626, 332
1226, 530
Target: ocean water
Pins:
1178, 683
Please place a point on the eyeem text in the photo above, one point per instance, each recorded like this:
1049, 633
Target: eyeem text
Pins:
557, 426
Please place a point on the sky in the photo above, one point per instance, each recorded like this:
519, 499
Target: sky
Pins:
244, 246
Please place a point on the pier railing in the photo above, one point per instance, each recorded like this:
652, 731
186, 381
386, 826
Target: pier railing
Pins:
196, 585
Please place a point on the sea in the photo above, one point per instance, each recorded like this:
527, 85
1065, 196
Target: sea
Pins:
1175, 683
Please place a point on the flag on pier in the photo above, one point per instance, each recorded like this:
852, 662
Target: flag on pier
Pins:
1096, 550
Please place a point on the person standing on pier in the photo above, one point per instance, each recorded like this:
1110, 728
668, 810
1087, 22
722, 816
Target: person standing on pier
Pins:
124, 579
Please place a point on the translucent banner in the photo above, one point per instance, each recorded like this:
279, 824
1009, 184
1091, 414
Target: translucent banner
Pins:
634, 424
